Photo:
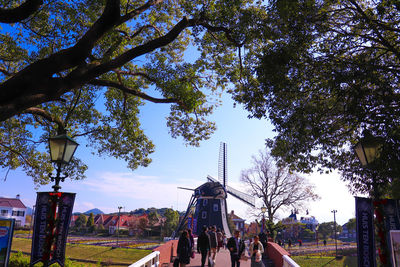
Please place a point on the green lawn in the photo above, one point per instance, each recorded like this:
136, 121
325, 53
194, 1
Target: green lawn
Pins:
308, 261
88, 252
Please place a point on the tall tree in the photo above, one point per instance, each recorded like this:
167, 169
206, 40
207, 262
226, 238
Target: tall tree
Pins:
330, 70
90, 223
326, 229
86, 67
81, 221
171, 221
276, 186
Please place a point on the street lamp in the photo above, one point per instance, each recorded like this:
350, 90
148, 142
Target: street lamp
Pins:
119, 212
263, 210
334, 226
62, 148
369, 149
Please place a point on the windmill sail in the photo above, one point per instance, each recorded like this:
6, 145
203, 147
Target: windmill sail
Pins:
222, 164
246, 198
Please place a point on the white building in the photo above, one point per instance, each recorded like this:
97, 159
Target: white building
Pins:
13, 208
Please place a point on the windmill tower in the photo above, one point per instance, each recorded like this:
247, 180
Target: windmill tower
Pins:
207, 206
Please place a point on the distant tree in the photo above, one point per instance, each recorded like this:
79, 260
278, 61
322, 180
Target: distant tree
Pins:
90, 223
171, 221
273, 228
307, 234
140, 211
351, 224
80, 222
276, 186
153, 218
326, 229
143, 224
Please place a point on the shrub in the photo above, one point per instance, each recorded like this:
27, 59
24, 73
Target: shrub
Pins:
18, 260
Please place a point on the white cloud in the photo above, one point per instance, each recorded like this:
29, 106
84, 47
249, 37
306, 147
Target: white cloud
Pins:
155, 191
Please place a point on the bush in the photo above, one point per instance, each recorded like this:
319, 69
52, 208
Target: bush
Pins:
18, 260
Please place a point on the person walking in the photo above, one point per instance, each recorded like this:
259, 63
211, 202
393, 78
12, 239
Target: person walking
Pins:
256, 250
220, 239
203, 245
191, 239
213, 242
184, 250
236, 247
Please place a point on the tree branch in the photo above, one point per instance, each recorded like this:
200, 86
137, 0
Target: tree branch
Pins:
21, 12
17, 153
135, 92
130, 15
44, 114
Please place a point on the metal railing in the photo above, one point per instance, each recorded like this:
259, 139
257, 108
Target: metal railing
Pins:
151, 260
289, 262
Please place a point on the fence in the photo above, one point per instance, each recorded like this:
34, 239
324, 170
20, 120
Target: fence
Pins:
152, 260
288, 262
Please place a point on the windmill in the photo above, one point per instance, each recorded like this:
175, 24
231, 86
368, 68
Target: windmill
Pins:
207, 205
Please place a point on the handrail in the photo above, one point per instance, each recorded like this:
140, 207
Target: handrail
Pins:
289, 262
151, 260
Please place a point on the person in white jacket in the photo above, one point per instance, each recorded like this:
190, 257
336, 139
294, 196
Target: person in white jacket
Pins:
256, 250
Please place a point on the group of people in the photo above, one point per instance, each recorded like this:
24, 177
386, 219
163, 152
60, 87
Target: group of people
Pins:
209, 243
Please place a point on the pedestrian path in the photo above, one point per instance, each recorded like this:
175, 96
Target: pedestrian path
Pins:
223, 259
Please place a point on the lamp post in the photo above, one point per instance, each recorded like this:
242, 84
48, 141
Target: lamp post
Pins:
119, 212
62, 148
263, 210
368, 150
334, 227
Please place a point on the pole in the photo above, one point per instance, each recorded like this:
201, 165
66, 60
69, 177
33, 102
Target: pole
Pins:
334, 225
263, 224
119, 212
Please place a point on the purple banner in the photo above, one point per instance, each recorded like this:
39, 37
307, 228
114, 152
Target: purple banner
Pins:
65, 206
365, 232
50, 229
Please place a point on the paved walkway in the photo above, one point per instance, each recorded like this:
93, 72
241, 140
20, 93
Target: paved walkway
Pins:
223, 259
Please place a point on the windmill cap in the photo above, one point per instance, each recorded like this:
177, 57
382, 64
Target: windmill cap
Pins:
210, 190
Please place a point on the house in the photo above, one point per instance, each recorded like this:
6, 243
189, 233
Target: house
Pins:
294, 224
125, 222
13, 208
238, 222
348, 234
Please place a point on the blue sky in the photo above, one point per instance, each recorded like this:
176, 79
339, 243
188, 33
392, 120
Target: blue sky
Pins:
110, 184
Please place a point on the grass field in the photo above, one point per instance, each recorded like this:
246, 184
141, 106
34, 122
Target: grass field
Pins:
88, 252
307, 261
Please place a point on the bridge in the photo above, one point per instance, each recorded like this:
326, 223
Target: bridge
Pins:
164, 255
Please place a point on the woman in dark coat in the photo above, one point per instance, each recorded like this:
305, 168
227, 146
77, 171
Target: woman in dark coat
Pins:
184, 249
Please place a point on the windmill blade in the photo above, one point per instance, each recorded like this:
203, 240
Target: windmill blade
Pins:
222, 164
185, 188
192, 203
246, 198
212, 179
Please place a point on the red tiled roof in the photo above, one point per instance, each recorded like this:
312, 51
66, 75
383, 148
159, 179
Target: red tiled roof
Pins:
11, 203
